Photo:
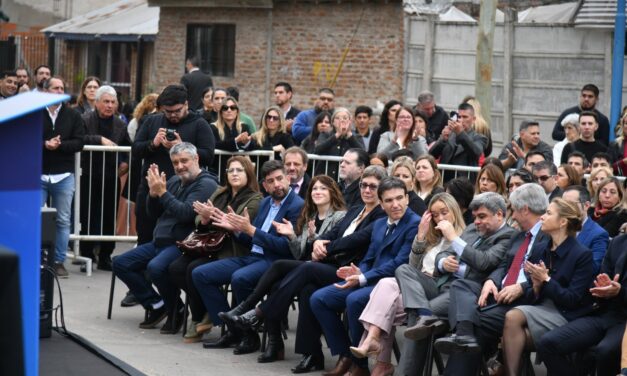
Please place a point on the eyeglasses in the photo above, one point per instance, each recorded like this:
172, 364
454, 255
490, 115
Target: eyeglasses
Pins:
234, 170
366, 186
272, 118
231, 108
173, 112
543, 178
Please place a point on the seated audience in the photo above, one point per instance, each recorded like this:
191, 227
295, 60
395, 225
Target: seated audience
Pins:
518, 178
387, 120
601, 159
342, 245
567, 176
507, 286
545, 174
171, 203
295, 160
240, 192
351, 167
229, 132
428, 178
601, 331
560, 276
531, 158
400, 137
322, 124
389, 247
587, 143
513, 155
610, 209
304, 121
363, 114
378, 159
617, 150
403, 168
491, 179
420, 127
243, 272
570, 123
579, 162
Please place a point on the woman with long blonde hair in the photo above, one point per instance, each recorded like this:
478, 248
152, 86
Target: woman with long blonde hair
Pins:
272, 134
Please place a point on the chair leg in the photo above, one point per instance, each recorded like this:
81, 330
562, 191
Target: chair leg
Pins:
185, 315
111, 290
429, 358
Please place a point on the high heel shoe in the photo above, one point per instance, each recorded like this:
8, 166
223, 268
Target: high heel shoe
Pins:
373, 349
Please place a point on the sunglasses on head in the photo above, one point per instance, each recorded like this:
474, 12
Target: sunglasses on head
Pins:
232, 108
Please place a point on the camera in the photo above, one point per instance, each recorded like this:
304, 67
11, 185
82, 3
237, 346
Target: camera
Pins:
169, 134
454, 115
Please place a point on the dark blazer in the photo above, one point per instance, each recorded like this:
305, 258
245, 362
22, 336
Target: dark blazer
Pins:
93, 136
70, 126
195, 82
483, 258
617, 152
274, 246
540, 243
463, 149
328, 144
557, 192
291, 114
386, 253
571, 271
595, 238
416, 204
305, 186
352, 194
615, 262
346, 249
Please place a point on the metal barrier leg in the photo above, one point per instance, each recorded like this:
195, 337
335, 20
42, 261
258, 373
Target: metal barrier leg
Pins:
111, 290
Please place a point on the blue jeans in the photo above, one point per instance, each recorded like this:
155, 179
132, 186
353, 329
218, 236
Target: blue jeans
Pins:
61, 193
130, 267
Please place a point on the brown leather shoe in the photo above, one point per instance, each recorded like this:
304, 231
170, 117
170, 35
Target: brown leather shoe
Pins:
341, 367
358, 371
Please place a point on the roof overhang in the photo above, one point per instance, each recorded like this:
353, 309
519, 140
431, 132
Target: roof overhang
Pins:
596, 14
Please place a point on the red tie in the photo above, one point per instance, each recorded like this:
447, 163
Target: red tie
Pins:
514, 268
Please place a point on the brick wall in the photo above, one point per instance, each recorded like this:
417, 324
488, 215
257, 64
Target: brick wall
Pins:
307, 45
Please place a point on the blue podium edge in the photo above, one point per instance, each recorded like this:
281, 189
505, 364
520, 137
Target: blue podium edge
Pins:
26, 103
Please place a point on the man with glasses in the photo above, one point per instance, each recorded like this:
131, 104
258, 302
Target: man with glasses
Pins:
158, 134
243, 272
351, 167
591, 235
304, 122
545, 174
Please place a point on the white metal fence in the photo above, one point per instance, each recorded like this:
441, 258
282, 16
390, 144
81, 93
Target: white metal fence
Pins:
122, 227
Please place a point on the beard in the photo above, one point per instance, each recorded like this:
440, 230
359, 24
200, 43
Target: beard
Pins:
278, 194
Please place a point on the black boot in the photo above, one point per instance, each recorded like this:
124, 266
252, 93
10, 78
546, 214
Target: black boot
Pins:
275, 349
249, 344
229, 317
250, 320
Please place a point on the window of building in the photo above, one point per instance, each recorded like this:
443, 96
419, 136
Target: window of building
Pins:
214, 45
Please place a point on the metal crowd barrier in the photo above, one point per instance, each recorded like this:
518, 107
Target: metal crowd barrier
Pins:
123, 153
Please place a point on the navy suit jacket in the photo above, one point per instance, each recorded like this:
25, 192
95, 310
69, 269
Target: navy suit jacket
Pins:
596, 238
386, 253
274, 246
571, 271
615, 262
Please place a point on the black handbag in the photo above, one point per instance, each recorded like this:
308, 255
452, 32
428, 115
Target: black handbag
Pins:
203, 243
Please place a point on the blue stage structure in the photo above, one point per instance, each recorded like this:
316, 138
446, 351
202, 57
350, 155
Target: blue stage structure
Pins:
21, 144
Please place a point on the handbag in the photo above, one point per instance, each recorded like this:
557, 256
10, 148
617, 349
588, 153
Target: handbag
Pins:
203, 243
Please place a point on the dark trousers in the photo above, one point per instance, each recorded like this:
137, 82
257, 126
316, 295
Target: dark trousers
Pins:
602, 333
303, 281
488, 325
241, 272
145, 223
130, 267
270, 280
180, 271
98, 211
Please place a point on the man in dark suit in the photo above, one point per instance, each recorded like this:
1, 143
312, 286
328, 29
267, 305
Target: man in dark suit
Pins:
351, 167
603, 331
592, 235
545, 174
344, 244
295, 160
195, 82
244, 272
63, 133
389, 248
459, 144
506, 287
473, 255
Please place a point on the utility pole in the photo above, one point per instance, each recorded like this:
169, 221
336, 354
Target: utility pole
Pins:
483, 69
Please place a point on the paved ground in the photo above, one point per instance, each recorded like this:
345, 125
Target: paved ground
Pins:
85, 303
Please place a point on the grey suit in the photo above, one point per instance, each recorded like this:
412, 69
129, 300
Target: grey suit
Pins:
422, 291
298, 245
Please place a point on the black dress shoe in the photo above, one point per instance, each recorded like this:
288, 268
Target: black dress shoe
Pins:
129, 300
248, 321
227, 340
155, 316
309, 363
229, 316
104, 263
457, 344
249, 344
274, 351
